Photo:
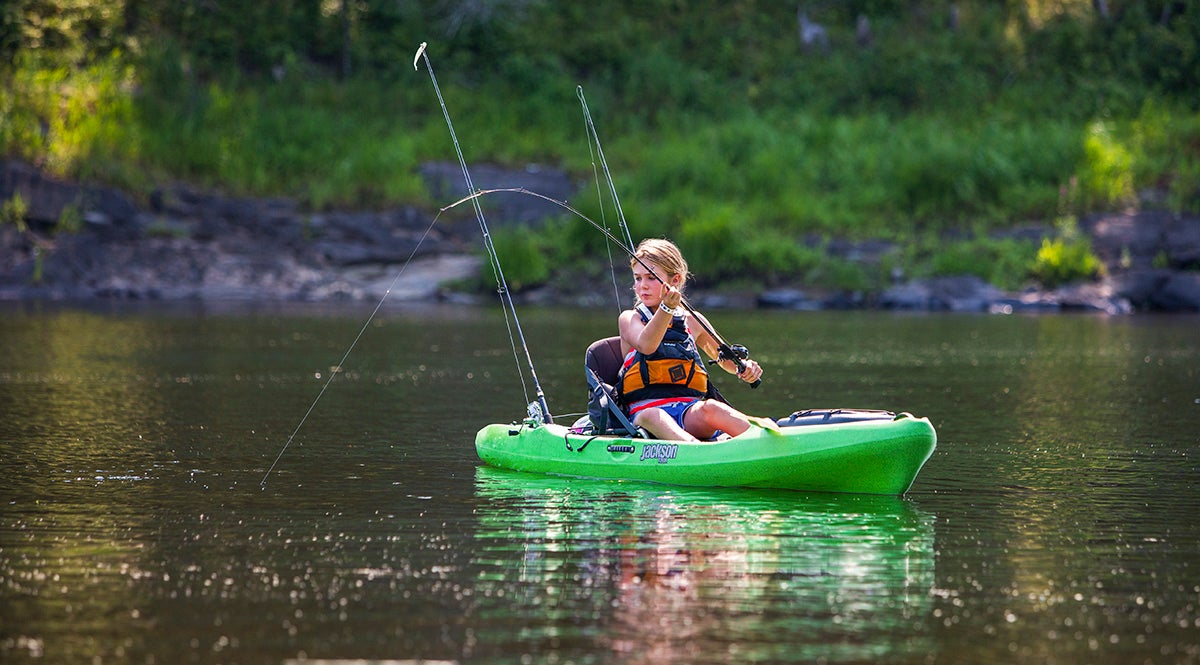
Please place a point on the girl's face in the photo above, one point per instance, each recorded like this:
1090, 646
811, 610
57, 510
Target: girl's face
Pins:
648, 289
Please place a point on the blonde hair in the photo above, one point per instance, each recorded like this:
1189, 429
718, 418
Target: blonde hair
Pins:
662, 253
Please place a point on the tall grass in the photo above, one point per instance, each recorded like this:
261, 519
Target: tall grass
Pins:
357, 144
77, 122
855, 175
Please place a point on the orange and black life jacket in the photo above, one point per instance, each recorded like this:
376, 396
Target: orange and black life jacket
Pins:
675, 369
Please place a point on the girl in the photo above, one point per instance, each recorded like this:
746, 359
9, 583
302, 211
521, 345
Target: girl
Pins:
663, 382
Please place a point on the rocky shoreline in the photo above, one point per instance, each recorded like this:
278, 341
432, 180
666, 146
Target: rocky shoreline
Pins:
191, 245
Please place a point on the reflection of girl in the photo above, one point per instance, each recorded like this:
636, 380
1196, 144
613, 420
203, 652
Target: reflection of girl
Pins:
663, 381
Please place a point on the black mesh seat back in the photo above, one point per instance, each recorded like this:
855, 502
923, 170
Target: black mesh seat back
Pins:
604, 358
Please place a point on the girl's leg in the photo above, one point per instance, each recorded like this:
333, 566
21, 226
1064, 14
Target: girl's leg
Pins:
662, 425
704, 419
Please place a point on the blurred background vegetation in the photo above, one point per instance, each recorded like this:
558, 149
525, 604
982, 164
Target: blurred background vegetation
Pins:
750, 132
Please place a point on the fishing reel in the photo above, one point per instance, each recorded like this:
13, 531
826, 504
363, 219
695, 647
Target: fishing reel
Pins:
738, 354
534, 415
735, 352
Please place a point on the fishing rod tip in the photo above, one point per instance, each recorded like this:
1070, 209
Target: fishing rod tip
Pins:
417, 57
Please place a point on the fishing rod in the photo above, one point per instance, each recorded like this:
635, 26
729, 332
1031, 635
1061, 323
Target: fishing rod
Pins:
543, 411
594, 142
725, 351
594, 138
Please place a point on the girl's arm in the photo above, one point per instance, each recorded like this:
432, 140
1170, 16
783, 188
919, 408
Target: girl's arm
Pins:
709, 345
645, 337
706, 342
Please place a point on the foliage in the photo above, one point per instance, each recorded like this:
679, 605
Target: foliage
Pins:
1005, 262
70, 220
725, 132
76, 122
721, 245
1066, 258
1165, 147
1107, 171
525, 260
13, 212
1060, 261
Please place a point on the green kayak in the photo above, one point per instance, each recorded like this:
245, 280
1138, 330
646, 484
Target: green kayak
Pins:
878, 453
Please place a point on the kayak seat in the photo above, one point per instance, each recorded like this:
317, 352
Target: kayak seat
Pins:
602, 364
604, 357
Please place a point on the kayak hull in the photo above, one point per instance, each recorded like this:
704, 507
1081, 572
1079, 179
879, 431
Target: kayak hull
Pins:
869, 457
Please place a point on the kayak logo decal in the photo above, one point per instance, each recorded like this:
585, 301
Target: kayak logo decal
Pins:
660, 451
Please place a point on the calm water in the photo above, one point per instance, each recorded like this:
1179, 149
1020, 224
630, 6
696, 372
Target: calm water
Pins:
1056, 523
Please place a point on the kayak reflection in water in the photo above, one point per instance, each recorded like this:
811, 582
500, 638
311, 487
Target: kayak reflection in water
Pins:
663, 382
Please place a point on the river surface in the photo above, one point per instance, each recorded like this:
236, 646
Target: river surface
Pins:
1058, 521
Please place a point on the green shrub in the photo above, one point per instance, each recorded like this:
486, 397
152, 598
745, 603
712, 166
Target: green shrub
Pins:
13, 212
1165, 142
70, 220
840, 275
523, 257
1064, 260
1106, 177
1003, 262
721, 244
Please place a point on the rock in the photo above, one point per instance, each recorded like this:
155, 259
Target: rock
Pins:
786, 299
1145, 239
1181, 241
1093, 297
844, 300
862, 251
710, 301
1179, 292
911, 295
445, 183
1032, 301
962, 293
201, 245
959, 293
47, 197
188, 244
1139, 286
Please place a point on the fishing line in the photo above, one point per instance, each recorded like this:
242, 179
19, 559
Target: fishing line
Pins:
505, 293
337, 369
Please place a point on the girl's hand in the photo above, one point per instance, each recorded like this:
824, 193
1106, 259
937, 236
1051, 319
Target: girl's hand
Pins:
672, 297
752, 373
